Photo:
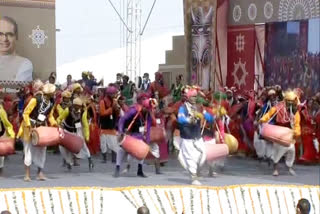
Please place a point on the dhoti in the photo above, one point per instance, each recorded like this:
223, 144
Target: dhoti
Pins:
109, 142
280, 151
192, 154
34, 154
263, 147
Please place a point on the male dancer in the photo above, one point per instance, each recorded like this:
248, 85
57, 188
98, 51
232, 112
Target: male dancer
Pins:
76, 122
38, 112
192, 152
133, 123
287, 115
109, 113
6, 129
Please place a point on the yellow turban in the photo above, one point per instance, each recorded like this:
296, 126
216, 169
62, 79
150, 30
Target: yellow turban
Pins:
77, 101
49, 88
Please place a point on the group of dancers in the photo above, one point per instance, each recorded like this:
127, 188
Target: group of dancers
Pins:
185, 117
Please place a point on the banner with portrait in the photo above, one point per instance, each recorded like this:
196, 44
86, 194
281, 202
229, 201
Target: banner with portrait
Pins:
27, 41
200, 32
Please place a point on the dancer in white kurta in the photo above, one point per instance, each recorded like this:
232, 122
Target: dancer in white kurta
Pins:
192, 148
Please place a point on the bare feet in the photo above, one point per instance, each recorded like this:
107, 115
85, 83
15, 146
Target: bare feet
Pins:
275, 173
27, 179
41, 177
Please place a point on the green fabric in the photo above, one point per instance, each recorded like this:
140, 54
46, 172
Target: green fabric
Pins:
201, 100
126, 92
220, 96
176, 94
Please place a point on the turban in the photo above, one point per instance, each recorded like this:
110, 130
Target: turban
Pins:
49, 88
290, 96
271, 92
192, 93
77, 101
66, 94
111, 90
142, 96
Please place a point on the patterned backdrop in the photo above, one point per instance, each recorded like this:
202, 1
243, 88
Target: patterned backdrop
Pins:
241, 53
206, 5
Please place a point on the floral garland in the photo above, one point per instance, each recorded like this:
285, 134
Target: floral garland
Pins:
24, 202
60, 198
42, 203
128, 199
312, 203
35, 201
252, 203
141, 197
173, 201
101, 201
260, 202
235, 200
15, 202
78, 204
243, 198
201, 202
285, 201
70, 202
7, 203
159, 200
278, 200
191, 201
229, 204
182, 202
293, 199
51, 201
154, 204
86, 202
267, 191
172, 208
208, 202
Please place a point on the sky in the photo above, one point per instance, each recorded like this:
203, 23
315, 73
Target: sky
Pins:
88, 36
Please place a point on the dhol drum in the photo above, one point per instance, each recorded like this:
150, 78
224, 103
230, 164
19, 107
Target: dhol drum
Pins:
135, 147
46, 136
72, 142
157, 134
216, 151
6, 146
277, 134
230, 141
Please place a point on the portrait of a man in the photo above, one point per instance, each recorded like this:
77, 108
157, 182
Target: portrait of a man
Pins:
12, 66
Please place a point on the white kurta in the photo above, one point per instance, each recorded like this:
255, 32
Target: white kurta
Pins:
192, 155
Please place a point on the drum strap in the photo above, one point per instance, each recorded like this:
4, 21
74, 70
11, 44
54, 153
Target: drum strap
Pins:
134, 119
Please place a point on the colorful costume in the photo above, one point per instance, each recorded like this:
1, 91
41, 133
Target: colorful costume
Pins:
6, 129
288, 116
307, 137
38, 112
75, 121
192, 148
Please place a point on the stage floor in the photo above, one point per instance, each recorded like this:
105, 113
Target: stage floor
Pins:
237, 171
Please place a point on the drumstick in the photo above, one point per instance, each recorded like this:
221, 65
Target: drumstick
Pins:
204, 125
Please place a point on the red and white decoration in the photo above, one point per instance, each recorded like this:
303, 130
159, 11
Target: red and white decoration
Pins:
241, 53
